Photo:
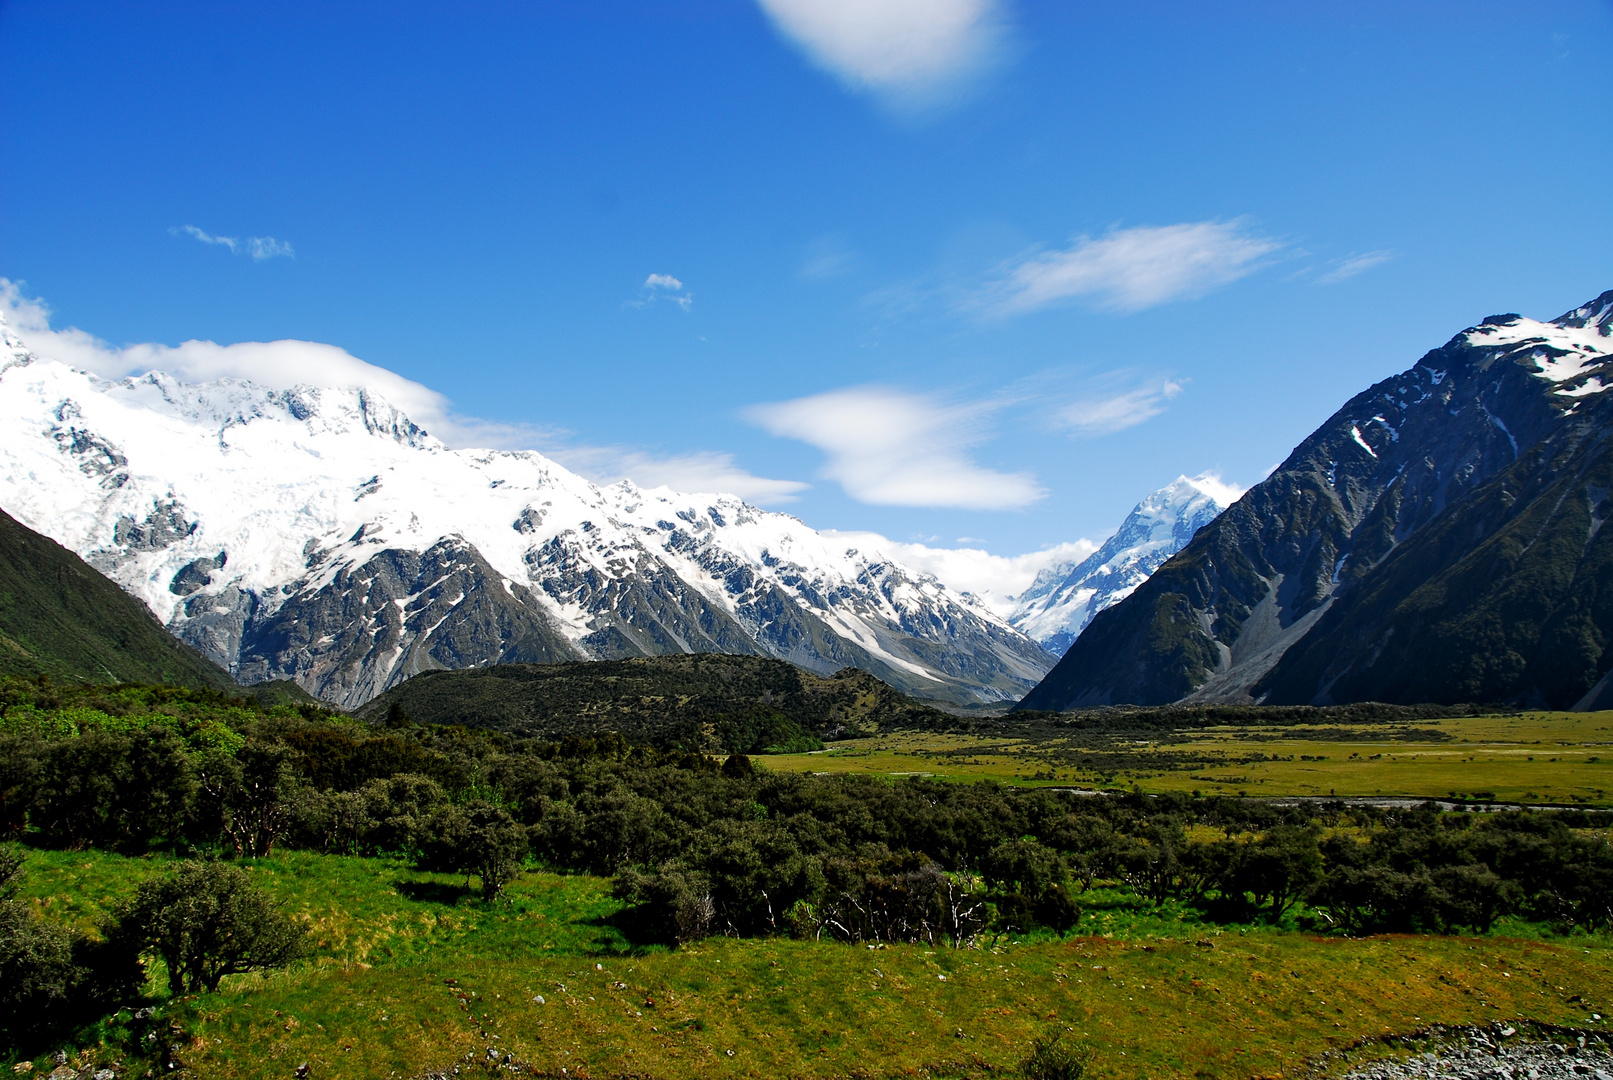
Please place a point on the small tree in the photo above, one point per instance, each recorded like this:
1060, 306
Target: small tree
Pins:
495, 845
249, 796
476, 838
209, 921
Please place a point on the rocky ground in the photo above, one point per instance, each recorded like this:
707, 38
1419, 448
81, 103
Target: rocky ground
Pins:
1499, 1052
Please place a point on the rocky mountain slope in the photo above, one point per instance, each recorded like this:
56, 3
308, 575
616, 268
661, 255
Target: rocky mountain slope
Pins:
1438, 539
1064, 598
319, 535
60, 618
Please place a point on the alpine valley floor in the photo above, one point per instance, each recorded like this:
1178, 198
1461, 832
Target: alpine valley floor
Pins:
1557, 758
411, 978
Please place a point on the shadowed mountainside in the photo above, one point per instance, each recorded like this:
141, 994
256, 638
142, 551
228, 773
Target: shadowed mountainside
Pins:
1438, 539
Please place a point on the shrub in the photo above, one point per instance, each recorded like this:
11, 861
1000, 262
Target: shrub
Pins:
671, 904
11, 859
208, 921
1051, 1058
477, 838
36, 968
49, 976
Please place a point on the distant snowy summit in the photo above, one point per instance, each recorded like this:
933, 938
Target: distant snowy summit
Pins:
319, 535
1064, 598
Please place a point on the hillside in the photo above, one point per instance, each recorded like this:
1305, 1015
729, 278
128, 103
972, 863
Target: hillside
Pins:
60, 618
704, 701
1438, 539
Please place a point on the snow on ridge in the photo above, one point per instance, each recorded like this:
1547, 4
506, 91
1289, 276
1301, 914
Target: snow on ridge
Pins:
286, 488
1056, 608
1565, 351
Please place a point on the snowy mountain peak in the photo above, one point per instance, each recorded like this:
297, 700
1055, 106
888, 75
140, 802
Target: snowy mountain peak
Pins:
1064, 598
318, 534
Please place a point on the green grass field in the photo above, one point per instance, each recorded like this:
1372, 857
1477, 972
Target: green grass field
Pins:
410, 974
1564, 758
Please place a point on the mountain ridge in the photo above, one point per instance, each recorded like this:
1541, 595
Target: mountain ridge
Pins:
1219, 620
320, 535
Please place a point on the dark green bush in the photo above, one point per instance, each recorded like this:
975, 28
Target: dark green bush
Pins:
208, 921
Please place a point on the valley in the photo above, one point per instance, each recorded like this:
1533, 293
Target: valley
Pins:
1550, 758
806, 540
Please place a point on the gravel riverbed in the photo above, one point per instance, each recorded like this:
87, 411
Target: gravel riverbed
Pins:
1500, 1053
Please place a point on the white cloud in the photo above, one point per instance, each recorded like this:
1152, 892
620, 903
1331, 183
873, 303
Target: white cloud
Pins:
277, 364
206, 238
890, 448
910, 52
1131, 269
1222, 491
285, 364
1116, 412
658, 284
259, 247
1355, 264
267, 247
995, 579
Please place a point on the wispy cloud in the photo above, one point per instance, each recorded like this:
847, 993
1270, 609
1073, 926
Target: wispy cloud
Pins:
827, 256
267, 247
1131, 269
258, 247
911, 53
1355, 264
891, 448
657, 286
1104, 414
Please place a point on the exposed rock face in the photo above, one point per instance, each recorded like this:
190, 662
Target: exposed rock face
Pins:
1438, 539
320, 535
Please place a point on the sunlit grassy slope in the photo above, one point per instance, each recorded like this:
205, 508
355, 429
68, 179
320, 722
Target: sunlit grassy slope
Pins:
409, 975
1531, 757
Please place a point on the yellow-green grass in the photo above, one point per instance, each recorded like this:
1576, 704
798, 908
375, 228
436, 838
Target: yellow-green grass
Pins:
399, 986
1531, 757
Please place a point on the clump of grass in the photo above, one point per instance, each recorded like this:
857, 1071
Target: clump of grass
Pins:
1051, 1058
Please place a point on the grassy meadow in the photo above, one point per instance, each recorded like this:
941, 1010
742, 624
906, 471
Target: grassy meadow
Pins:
1540, 757
412, 974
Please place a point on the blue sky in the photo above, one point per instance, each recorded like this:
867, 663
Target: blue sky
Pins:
937, 268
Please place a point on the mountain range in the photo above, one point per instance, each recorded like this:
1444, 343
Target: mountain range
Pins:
1438, 539
320, 536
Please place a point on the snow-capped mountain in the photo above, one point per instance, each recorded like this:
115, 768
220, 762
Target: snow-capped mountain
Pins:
319, 535
1064, 598
1438, 539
